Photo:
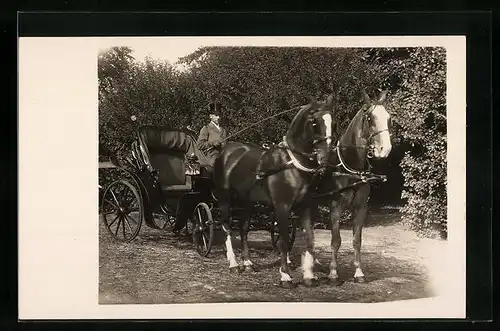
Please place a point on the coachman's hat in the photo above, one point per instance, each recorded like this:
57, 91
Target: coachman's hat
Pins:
215, 109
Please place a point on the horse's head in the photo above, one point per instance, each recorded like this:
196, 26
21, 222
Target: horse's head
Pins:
376, 126
320, 118
311, 131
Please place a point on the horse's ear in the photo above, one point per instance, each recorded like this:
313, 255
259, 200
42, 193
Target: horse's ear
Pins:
366, 98
312, 101
329, 100
383, 96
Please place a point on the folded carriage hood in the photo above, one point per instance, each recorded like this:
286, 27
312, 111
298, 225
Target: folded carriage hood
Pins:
163, 140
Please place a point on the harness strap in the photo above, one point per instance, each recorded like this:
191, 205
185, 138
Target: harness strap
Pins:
344, 165
294, 160
262, 175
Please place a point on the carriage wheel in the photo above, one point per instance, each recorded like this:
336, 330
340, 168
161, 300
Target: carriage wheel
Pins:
122, 210
275, 235
203, 229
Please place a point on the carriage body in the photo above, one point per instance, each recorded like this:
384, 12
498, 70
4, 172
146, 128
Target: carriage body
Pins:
164, 175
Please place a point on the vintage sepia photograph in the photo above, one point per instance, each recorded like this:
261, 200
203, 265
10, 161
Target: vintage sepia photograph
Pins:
244, 172
250, 177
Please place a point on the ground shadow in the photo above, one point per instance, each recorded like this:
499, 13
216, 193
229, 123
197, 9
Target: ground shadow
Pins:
158, 267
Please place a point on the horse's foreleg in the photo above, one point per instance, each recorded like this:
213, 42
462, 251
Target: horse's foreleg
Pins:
244, 228
335, 213
308, 256
361, 208
283, 219
359, 277
225, 219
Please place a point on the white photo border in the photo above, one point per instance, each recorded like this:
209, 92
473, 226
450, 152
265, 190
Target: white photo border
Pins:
58, 178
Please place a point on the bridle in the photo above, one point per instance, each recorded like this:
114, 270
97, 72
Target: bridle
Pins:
311, 156
373, 134
369, 148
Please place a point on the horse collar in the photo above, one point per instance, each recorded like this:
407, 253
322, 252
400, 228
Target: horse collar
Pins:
294, 160
344, 164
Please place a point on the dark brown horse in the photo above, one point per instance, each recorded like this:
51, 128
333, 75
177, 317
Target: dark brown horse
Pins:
367, 136
286, 173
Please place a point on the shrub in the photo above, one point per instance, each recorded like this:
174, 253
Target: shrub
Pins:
417, 77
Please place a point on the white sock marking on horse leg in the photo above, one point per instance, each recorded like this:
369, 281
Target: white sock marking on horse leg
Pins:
307, 265
333, 274
230, 253
247, 263
316, 261
358, 273
288, 261
285, 277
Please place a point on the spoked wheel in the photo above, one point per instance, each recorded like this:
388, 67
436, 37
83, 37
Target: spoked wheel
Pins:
122, 210
275, 235
203, 229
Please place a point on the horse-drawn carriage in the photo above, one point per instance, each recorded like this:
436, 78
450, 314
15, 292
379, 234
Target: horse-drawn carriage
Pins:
166, 173
165, 181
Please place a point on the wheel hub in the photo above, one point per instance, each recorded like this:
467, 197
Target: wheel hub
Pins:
121, 211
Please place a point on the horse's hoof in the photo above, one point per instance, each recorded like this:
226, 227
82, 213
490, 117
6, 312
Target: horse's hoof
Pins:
360, 279
234, 270
335, 282
287, 284
250, 268
311, 282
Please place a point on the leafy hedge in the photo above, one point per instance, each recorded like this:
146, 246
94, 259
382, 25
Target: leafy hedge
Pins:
417, 77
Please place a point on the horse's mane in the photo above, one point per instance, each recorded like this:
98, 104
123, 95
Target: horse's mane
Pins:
355, 121
297, 125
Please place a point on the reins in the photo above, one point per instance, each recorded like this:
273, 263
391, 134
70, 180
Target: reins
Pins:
362, 176
261, 121
352, 173
290, 151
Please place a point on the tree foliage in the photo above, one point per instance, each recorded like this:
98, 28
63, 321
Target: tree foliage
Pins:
137, 93
417, 77
253, 83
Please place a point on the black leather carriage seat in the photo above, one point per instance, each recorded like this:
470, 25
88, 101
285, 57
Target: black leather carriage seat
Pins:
167, 150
